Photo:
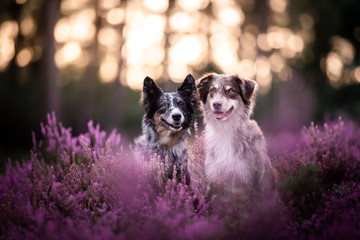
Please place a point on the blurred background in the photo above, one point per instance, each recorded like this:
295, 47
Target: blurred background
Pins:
86, 59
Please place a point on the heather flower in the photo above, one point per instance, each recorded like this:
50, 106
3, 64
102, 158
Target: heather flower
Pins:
92, 187
313, 178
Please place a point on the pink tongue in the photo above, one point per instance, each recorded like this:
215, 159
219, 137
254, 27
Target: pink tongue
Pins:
219, 115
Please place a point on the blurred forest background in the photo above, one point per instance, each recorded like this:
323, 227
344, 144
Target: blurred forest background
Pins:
86, 59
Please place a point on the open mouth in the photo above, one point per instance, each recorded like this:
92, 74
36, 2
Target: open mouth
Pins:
221, 115
175, 126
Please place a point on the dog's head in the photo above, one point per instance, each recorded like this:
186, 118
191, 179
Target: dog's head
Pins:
171, 110
223, 95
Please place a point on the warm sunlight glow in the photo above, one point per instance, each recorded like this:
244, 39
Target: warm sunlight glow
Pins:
145, 32
263, 43
109, 69
356, 74
71, 5
224, 52
59, 60
247, 68
344, 48
192, 5
83, 60
9, 29
278, 5
231, 16
135, 77
183, 22
188, 49
7, 49
265, 84
177, 71
82, 27
277, 63
24, 57
108, 37
334, 66
248, 41
262, 67
108, 4
169, 39
21, 1
70, 52
158, 6
115, 16
154, 55
155, 72
79, 27
275, 39
295, 43
62, 30
27, 26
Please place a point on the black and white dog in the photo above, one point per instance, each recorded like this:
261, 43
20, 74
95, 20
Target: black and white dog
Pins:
166, 123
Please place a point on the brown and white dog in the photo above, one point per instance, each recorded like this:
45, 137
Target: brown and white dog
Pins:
236, 154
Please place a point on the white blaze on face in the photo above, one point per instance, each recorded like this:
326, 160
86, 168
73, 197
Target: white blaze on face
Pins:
174, 117
220, 104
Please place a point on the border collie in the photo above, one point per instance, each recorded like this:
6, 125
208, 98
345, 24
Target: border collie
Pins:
166, 124
236, 154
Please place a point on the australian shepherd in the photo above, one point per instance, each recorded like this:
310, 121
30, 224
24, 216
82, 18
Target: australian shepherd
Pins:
236, 154
166, 124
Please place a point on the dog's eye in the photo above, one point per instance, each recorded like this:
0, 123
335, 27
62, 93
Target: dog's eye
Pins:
164, 106
180, 103
231, 91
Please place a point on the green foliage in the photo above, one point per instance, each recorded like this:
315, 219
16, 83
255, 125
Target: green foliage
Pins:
306, 181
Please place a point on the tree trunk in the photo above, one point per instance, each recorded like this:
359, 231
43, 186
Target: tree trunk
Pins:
50, 71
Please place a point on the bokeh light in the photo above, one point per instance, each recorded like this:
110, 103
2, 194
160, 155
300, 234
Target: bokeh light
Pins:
334, 67
21, 1
109, 69
108, 4
192, 5
231, 16
8, 32
158, 6
164, 39
278, 6
27, 26
115, 16
357, 74
24, 57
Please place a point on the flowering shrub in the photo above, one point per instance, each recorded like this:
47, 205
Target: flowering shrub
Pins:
92, 187
319, 181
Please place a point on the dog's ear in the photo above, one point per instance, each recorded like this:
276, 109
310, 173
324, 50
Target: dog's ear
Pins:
247, 88
203, 84
150, 93
187, 90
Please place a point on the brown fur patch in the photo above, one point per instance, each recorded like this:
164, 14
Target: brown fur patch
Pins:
167, 137
203, 85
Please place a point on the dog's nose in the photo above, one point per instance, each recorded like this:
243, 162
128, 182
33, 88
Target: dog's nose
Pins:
176, 117
217, 105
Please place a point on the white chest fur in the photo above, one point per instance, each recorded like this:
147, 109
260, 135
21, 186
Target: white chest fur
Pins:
226, 158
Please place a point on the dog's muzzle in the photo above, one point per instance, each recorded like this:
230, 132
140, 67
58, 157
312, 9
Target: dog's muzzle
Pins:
176, 125
221, 115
